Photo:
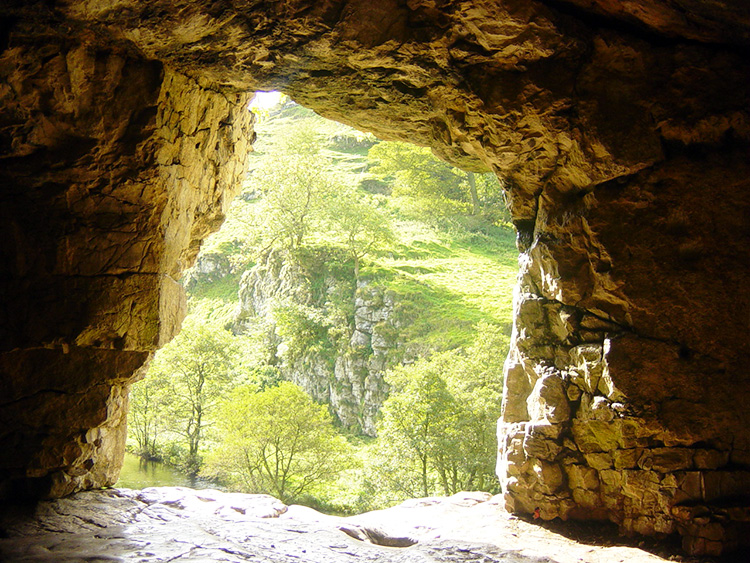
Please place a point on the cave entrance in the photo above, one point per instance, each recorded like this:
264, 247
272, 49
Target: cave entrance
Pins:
357, 296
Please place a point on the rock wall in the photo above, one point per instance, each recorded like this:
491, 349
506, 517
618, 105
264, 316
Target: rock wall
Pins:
344, 365
625, 370
359, 372
114, 168
622, 132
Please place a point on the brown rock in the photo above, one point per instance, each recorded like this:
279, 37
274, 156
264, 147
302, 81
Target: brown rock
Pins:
548, 400
666, 460
621, 131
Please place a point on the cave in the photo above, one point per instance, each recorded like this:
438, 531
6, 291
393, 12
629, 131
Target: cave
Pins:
621, 131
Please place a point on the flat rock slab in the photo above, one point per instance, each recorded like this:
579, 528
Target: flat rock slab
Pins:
179, 524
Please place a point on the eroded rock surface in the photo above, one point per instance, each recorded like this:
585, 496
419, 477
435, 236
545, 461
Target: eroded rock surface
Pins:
114, 169
173, 523
620, 128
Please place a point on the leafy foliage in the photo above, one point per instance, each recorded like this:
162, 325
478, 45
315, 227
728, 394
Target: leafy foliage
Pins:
279, 442
294, 183
360, 224
435, 188
437, 432
148, 401
187, 379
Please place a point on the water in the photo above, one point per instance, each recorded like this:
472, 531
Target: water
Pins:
137, 473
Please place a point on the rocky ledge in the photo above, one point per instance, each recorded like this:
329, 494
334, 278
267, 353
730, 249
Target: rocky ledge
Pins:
179, 524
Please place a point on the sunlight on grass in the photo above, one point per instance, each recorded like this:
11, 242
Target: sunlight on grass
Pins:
452, 282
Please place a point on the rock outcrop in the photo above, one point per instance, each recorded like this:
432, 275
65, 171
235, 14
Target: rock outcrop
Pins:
209, 268
621, 129
350, 333
359, 373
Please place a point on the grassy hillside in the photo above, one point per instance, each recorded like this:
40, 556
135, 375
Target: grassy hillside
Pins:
447, 277
449, 282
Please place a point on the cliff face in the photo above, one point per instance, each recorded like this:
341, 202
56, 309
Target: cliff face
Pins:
351, 328
102, 155
621, 129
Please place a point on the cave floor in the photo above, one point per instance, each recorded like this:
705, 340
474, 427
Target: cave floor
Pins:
179, 524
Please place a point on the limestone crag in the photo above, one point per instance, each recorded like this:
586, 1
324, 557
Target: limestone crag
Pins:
616, 405
621, 131
208, 268
359, 372
344, 371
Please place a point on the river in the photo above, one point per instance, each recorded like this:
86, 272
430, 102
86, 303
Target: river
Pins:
138, 473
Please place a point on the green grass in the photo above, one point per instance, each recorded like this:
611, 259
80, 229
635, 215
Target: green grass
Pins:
223, 289
446, 284
447, 278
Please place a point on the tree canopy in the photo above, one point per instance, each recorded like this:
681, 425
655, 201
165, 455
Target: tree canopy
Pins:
277, 441
437, 431
435, 187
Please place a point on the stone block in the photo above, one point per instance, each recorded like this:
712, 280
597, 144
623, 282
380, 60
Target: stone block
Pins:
599, 461
595, 408
665, 460
549, 477
560, 322
548, 400
626, 459
541, 440
586, 498
544, 429
595, 435
586, 368
517, 387
691, 485
540, 447
640, 485
582, 477
634, 432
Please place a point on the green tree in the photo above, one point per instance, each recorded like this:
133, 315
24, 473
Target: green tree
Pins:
416, 419
148, 402
277, 441
199, 366
294, 182
437, 188
360, 224
440, 418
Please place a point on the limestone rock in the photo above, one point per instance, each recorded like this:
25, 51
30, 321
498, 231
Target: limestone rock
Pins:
548, 400
621, 130
95, 239
350, 378
208, 268
164, 524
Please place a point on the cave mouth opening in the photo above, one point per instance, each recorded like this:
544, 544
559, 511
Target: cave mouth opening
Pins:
347, 267
629, 155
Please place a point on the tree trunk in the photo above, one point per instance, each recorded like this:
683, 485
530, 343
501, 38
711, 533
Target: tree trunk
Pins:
476, 208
